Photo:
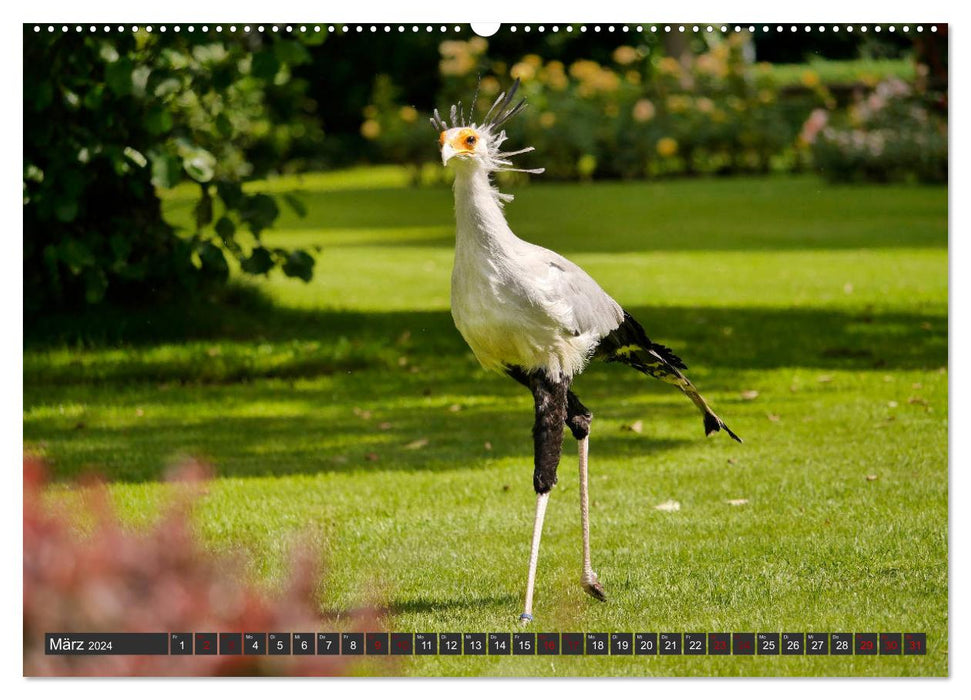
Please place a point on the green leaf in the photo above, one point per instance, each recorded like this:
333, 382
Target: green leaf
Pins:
259, 262
158, 120
213, 261
299, 264
313, 38
231, 193
224, 126
166, 170
66, 209
118, 76
168, 87
42, 92
225, 228
259, 212
95, 285
292, 53
139, 80
75, 254
120, 246
135, 157
108, 52
93, 98
299, 208
203, 211
265, 65
200, 164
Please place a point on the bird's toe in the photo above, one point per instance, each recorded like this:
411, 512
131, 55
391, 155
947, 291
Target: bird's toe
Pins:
594, 588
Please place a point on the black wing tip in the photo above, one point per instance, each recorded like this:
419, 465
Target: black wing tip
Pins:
713, 424
667, 354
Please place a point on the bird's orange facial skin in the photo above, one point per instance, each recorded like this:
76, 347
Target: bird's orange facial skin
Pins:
464, 141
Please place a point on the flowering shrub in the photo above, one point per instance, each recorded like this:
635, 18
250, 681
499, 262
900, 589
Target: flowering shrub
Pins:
160, 580
644, 114
640, 114
401, 133
888, 136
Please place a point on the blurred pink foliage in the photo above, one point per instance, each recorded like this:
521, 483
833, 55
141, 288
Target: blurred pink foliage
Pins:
110, 579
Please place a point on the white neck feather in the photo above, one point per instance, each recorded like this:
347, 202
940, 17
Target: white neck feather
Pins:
478, 210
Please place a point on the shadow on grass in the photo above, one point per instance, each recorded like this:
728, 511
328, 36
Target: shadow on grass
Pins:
350, 428
244, 337
425, 605
270, 391
790, 213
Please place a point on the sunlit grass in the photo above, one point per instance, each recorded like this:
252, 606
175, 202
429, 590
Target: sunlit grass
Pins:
350, 407
831, 72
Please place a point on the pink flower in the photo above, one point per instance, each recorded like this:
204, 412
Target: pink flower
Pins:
815, 123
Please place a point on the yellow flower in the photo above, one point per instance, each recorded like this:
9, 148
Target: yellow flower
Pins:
810, 78
555, 76
667, 147
625, 55
408, 114
583, 69
489, 86
457, 59
669, 65
533, 60
370, 129
478, 45
523, 71
586, 165
607, 81
678, 103
643, 110
709, 64
547, 119
633, 77
450, 48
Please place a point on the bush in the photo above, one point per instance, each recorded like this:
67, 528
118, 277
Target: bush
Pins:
109, 119
641, 114
159, 580
890, 135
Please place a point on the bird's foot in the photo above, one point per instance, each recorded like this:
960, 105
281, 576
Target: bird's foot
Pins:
525, 619
593, 586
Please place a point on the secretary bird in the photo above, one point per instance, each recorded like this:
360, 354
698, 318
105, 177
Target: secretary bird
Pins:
533, 315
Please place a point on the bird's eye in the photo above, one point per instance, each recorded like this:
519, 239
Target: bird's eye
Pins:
470, 140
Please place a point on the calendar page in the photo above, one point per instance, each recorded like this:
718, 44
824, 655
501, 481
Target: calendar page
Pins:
515, 349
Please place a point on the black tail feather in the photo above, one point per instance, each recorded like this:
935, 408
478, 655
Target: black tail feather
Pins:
713, 424
629, 344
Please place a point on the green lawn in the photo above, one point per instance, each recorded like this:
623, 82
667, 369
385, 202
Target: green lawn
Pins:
350, 407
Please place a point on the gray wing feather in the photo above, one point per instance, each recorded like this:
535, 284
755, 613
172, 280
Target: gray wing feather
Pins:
580, 303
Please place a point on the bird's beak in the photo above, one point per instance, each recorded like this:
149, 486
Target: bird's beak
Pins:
447, 152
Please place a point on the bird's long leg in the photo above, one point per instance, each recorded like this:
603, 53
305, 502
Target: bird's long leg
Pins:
541, 501
589, 579
550, 399
579, 420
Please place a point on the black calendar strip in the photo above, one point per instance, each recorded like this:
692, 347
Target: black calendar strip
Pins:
489, 644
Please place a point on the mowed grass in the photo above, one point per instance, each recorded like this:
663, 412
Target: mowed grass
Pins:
349, 408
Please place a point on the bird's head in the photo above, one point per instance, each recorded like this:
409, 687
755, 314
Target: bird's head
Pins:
463, 143
466, 144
